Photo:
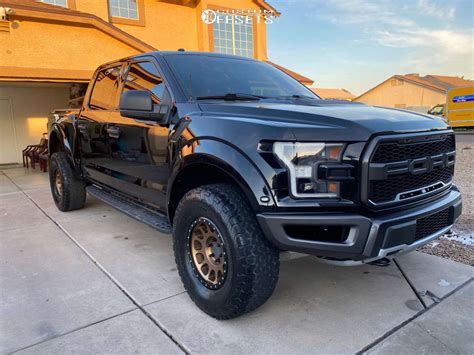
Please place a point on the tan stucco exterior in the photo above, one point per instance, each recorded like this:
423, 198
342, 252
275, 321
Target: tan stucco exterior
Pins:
403, 94
47, 48
49, 37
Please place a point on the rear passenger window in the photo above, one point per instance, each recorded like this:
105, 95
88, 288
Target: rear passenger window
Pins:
145, 76
104, 90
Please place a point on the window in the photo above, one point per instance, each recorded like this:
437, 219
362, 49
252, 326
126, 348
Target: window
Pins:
208, 75
145, 76
127, 9
105, 87
62, 3
233, 38
396, 82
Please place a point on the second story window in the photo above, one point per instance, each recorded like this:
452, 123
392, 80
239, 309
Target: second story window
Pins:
233, 37
127, 9
62, 3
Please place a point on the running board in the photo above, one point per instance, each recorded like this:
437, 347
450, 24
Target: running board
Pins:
153, 219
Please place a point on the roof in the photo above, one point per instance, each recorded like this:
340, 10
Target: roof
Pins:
451, 81
439, 83
267, 6
326, 93
302, 79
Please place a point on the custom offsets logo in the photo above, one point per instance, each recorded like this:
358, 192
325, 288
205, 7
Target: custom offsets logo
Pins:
237, 16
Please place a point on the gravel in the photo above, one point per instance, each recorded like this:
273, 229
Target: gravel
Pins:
459, 246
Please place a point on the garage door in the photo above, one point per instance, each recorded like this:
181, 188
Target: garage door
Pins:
8, 144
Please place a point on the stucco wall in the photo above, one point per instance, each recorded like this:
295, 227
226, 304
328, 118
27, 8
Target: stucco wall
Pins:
55, 46
31, 104
410, 95
170, 26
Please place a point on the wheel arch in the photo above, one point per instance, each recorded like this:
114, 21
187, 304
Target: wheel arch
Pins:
58, 141
225, 165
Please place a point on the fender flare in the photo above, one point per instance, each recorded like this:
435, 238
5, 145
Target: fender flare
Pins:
231, 161
62, 137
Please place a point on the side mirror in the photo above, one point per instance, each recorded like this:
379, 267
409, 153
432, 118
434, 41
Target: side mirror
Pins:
139, 104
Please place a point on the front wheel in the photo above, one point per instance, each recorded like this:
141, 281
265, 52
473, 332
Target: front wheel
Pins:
69, 193
226, 264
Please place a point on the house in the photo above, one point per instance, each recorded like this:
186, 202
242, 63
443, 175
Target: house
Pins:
333, 94
51, 47
412, 91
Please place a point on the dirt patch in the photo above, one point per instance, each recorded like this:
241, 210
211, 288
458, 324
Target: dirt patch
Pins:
459, 246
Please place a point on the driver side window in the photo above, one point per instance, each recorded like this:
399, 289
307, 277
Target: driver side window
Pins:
145, 76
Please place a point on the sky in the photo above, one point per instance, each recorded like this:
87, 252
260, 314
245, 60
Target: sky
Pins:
357, 44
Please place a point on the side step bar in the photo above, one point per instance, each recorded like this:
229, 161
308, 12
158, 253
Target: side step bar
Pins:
153, 219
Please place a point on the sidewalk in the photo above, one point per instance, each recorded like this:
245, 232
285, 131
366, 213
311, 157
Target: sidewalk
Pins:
95, 280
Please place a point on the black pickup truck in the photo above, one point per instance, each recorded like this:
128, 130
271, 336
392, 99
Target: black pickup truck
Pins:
239, 161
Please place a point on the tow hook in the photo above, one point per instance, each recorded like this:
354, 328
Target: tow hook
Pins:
384, 262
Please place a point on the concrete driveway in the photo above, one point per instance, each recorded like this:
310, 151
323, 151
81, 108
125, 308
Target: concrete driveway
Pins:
95, 280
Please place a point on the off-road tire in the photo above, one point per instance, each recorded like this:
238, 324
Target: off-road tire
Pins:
253, 263
73, 194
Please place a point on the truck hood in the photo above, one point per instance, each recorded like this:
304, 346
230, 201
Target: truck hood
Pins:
324, 120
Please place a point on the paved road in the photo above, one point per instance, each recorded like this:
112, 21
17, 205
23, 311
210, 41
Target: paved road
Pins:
97, 281
465, 138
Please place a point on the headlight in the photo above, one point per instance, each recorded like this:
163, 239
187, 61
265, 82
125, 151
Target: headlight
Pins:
302, 161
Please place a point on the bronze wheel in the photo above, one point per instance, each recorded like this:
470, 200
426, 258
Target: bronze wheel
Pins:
58, 184
207, 253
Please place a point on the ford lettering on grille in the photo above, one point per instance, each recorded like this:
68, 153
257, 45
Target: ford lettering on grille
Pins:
382, 171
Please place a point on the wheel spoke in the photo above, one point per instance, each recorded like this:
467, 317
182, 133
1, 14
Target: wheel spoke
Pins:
208, 252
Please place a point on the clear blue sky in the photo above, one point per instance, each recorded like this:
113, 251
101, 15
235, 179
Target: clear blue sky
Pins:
357, 44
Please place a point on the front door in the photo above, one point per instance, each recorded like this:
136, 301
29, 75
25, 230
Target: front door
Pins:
92, 124
139, 149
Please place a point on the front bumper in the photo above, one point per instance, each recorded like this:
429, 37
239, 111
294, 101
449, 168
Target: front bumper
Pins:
365, 239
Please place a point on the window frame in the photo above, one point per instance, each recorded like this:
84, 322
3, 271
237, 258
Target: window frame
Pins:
254, 33
140, 21
115, 99
70, 4
126, 70
123, 77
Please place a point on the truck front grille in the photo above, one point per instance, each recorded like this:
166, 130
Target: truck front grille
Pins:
390, 152
429, 225
405, 168
387, 190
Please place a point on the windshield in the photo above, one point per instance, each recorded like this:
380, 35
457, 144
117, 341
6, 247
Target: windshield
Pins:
203, 76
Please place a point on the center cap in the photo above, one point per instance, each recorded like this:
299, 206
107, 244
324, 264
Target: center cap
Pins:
216, 250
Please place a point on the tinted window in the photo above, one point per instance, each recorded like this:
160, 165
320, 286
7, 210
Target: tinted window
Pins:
145, 76
105, 87
202, 75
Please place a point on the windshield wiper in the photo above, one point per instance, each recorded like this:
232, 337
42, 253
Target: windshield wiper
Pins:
231, 97
297, 97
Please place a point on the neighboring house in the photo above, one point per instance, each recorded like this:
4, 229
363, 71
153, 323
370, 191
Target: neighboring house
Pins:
412, 91
51, 47
333, 94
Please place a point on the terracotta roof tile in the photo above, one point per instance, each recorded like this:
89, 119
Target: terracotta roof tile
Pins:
439, 82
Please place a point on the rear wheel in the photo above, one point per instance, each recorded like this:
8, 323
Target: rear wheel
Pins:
226, 264
69, 193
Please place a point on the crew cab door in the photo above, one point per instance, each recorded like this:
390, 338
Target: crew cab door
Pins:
139, 148
92, 123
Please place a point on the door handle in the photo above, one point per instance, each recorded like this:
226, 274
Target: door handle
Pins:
113, 132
